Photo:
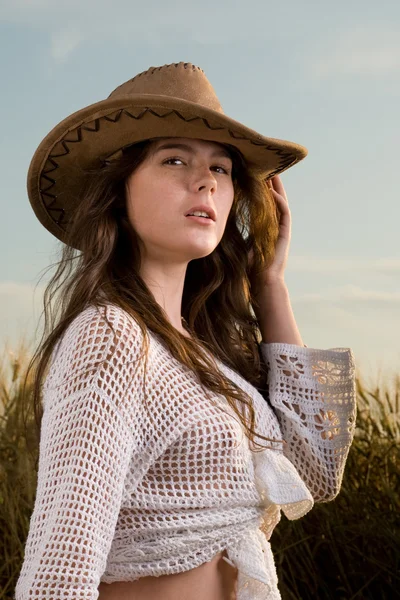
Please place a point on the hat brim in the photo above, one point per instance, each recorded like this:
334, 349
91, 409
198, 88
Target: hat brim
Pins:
97, 132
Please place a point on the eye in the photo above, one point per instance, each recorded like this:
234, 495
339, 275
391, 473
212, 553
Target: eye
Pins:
172, 159
168, 160
226, 171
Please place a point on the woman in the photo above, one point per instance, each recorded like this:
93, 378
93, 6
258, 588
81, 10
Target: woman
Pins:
174, 348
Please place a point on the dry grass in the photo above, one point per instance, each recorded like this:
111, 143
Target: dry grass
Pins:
17, 476
347, 549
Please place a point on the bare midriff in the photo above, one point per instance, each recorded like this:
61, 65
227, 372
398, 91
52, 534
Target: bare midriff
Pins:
214, 580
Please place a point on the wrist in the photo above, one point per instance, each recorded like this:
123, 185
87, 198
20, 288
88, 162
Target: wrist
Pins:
273, 285
274, 280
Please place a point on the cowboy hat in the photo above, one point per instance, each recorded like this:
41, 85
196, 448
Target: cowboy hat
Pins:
174, 100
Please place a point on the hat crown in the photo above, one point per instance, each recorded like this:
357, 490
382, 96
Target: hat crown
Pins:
178, 80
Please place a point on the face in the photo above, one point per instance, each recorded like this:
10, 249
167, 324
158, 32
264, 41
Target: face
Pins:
178, 174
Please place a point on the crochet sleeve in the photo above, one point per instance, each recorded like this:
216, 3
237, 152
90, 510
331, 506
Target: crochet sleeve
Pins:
313, 394
85, 449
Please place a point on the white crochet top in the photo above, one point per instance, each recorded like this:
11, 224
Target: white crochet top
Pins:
123, 494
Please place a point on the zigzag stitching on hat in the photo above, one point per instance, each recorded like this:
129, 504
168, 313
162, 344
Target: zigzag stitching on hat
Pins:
282, 154
190, 119
84, 127
92, 129
55, 166
167, 114
237, 136
124, 111
271, 148
79, 137
51, 209
60, 219
63, 144
160, 116
50, 205
285, 165
52, 182
108, 118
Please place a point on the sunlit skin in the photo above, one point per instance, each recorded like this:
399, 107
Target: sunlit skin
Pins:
159, 194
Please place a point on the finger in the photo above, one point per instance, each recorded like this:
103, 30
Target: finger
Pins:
278, 186
279, 198
281, 202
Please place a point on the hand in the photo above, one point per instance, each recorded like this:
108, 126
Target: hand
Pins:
275, 272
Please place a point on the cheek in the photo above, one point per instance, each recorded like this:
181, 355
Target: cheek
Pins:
228, 199
151, 204
141, 198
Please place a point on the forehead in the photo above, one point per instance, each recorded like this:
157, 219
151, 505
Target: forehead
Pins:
190, 144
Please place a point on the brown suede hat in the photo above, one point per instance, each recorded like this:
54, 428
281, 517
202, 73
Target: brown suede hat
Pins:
174, 100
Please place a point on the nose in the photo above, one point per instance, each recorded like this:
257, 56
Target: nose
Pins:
204, 180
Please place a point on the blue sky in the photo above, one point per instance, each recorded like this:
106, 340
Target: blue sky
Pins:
324, 75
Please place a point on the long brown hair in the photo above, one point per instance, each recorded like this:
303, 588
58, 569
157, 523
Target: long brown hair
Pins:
217, 299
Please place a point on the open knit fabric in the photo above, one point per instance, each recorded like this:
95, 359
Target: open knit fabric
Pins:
126, 492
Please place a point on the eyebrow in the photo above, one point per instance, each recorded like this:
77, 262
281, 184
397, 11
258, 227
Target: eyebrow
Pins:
220, 152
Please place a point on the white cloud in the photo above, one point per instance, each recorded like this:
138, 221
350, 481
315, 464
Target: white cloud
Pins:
351, 294
325, 322
341, 265
64, 42
364, 50
71, 23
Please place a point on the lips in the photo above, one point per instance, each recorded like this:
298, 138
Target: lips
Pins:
201, 220
203, 208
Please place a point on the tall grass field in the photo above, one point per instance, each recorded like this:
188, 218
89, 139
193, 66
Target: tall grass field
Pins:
347, 549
